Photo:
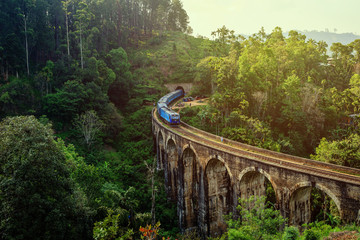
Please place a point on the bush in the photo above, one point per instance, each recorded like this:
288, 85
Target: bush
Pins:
291, 233
262, 221
310, 234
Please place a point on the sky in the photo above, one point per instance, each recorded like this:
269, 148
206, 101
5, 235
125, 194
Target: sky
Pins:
248, 16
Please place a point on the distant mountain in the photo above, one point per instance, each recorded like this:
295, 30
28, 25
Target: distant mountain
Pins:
329, 37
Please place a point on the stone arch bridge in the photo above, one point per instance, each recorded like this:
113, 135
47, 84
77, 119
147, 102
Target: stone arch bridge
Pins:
206, 175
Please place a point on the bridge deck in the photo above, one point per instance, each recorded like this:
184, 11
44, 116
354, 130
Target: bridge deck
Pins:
339, 173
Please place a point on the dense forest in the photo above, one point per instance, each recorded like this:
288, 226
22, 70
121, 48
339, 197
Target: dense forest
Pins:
284, 94
77, 82
76, 146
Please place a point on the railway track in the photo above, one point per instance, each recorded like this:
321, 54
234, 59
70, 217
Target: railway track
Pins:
311, 167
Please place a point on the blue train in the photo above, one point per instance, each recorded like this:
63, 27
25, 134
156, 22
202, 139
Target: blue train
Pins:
168, 115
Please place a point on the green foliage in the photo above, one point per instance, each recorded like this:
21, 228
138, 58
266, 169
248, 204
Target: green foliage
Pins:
310, 234
258, 220
45, 78
18, 96
291, 233
37, 196
114, 226
343, 152
178, 19
223, 40
237, 127
119, 91
70, 30
66, 102
172, 60
106, 76
284, 82
352, 94
250, 131
89, 178
316, 230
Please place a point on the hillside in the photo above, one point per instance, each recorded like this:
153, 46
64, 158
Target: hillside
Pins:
169, 57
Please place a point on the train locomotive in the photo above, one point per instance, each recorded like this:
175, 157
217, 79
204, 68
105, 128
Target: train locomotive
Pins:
168, 115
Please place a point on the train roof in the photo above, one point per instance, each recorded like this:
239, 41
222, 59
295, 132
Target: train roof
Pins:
161, 104
169, 111
164, 98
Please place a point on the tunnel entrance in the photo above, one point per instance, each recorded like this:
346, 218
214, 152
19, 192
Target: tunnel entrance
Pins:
180, 87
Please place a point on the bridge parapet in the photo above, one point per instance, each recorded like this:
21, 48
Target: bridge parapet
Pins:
278, 155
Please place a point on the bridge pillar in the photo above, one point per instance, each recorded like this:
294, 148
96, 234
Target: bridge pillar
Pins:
300, 207
219, 196
350, 207
180, 191
160, 151
282, 201
202, 216
190, 188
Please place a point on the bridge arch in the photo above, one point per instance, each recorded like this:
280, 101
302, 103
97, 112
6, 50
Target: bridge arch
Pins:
160, 133
189, 162
300, 203
170, 138
253, 181
189, 146
218, 189
219, 158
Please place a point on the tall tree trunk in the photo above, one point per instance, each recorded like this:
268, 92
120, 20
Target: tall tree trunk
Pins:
119, 24
26, 46
56, 35
65, 5
7, 71
67, 32
81, 50
151, 21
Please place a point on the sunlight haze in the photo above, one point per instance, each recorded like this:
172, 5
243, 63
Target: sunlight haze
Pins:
248, 16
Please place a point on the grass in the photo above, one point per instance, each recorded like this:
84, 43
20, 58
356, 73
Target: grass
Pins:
169, 57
